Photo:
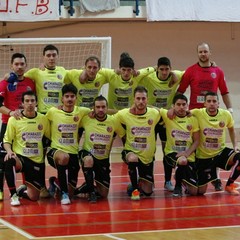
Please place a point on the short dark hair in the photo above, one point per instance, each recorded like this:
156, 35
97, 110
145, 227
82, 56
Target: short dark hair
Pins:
140, 89
69, 88
29, 93
93, 58
210, 94
164, 61
126, 62
18, 55
179, 96
100, 98
50, 47
124, 55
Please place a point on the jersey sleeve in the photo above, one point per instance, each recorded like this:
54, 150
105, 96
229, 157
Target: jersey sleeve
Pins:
222, 85
10, 131
185, 81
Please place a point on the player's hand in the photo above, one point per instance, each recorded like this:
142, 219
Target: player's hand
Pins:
171, 114
83, 78
10, 155
17, 114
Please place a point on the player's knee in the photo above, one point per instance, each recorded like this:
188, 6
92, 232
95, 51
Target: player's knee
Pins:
10, 163
88, 161
131, 157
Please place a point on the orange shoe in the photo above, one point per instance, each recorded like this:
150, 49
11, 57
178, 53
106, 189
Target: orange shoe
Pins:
232, 189
135, 195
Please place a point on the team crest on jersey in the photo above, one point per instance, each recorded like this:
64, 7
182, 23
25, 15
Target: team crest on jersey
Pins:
213, 75
75, 118
109, 129
150, 121
189, 127
59, 76
173, 133
221, 124
40, 127
97, 84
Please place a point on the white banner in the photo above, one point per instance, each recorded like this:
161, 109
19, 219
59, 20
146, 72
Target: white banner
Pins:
193, 10
29, 10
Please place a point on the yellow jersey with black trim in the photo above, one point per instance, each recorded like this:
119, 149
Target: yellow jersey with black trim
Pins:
160, 93
88, 91
212, 131
179, 133
49, 85
140, 135
120, 92
99, 135
25, 135
64, 128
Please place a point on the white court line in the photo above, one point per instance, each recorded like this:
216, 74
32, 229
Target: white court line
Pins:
16, 229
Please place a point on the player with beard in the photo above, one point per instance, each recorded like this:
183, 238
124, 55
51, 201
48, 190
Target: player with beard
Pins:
10, 101
63, 153
139, 122
100, 131
203, 77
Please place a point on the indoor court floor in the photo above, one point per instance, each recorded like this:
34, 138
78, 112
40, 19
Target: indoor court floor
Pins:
215, 215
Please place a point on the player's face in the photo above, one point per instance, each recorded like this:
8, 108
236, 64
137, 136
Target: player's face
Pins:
100, 109
69, 99
29, 103
92, 69
163, 72
19, 66
140, 100
203, 53
50, 59
126, 73
180, 107
211, 104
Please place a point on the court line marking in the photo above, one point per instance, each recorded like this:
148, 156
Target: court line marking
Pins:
110, 235
16, 229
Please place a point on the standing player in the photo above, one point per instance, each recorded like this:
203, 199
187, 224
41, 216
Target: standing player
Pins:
212, 151
63, 154
182, 141
162, 85
139, 122
94, 80
10, 101
203, 77
94, 156
23, 142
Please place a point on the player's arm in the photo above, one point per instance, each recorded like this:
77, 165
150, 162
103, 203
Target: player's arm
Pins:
4, 110
227, 101
233, 138
10, 153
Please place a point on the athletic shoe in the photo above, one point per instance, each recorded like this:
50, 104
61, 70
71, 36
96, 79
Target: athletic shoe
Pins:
1, 196
92, 197
135, 195
217, 185
21, 189
177, 192
129, 189
15, 200
168, 186
44, 193
232, 189
65, 199
54, 188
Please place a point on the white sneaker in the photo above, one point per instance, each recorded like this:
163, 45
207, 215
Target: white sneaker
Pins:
65, 199
15, 200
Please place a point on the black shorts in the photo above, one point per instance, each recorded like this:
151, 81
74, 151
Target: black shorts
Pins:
34, 172
73, 166
2, 150
160, 129
101, 168
206, 168
145, 171
190, 171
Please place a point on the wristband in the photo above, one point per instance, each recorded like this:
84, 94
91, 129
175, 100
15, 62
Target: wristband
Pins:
230, 110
